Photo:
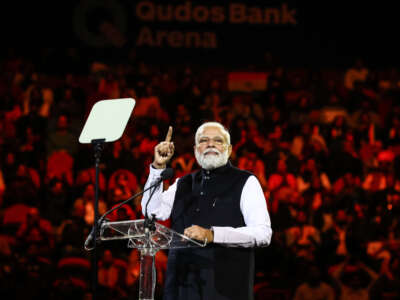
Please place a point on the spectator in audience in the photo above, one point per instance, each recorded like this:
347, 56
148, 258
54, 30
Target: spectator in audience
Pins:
31, 113
357, 73
8, 271
57, 203
62, 138
281, 178
375, 181
60, 166
148, 143
344, 159
149, 105
387, 284
88, 175
133, 273
348, 191
2, 187
313, 288
329, 94
341, 223
337, 131
392, 193
72, 231
86, 200
119, 157
109, 86
303, 239
308, 174
354, 279
37, 232
112, 273
23, 185
251, 162
31, 148
367, 124
392, 135
122, 185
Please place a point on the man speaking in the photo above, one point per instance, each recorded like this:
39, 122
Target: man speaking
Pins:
220, 205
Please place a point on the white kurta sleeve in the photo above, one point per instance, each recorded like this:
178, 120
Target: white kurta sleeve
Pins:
161, 202
257, 231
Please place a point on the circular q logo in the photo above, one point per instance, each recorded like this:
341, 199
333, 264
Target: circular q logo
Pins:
94, 18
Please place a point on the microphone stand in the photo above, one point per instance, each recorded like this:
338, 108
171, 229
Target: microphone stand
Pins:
149, 222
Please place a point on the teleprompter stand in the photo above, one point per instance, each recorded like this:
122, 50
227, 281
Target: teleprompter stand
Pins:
106, 123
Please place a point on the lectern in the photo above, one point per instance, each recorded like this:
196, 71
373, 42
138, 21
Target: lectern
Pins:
148, 241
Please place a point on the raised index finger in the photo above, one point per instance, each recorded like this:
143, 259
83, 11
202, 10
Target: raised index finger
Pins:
169, 134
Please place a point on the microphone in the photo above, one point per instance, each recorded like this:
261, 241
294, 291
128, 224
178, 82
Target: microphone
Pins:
166, 174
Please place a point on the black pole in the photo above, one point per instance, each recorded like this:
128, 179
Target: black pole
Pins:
98, 147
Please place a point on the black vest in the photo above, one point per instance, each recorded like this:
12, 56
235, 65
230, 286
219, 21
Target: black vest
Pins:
209, 198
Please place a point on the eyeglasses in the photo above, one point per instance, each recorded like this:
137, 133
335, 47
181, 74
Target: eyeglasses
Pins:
219, 141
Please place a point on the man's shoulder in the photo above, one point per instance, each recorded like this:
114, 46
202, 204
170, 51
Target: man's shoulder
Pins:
242, 172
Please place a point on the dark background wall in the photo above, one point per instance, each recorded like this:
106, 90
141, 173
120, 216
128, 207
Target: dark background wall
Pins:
326, 33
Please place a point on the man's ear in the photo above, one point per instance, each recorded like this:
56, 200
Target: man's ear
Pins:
229, 150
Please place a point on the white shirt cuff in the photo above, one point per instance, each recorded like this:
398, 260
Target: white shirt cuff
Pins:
230, 236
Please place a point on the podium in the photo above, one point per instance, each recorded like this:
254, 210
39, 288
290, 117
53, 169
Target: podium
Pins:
148, 242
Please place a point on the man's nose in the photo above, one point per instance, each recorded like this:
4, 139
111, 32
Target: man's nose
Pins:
211, 143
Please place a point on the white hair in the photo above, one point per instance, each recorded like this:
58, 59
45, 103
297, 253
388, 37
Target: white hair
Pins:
224, 131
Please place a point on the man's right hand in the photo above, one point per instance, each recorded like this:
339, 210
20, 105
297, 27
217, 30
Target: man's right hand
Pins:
164, 151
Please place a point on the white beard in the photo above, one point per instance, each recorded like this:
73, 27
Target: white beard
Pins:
211, 161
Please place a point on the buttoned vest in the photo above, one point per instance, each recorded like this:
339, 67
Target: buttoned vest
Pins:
210, 198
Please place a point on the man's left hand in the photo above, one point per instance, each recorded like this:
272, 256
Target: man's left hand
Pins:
199, 233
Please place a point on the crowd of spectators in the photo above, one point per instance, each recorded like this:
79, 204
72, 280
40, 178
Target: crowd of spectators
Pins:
324, 144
